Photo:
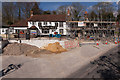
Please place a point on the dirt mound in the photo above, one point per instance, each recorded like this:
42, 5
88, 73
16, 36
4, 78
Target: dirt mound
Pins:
55, 47
18, 49
23, 49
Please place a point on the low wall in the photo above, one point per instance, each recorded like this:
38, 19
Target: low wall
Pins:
39, 43
68, 44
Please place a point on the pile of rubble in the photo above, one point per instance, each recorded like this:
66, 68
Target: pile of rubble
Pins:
29, 50
18, 49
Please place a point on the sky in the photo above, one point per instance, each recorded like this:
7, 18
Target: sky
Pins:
54, 5
59, 0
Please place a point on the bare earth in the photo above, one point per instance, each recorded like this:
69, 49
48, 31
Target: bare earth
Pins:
54, 65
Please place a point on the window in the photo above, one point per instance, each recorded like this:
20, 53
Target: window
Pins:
56, 24
39, 24
53, 30
61, 24
32, 23
10, 30
2, 30
45, 23
45, 31
61, 31
6, 31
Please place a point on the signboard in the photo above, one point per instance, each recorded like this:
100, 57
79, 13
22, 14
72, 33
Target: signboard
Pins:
21, 32
81, 24
33, 32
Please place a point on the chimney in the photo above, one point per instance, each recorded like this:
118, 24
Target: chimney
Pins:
31, 13
68, 12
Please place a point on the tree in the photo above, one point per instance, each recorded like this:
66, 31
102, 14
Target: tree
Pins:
76, 10
47, 12
8, 12
19, 7
92, 16
27, 6
15, 11
36, 10
62, 9
104, 10
54, 12
19, 15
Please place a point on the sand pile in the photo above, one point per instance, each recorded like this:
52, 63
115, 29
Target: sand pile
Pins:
55, 47
23, 49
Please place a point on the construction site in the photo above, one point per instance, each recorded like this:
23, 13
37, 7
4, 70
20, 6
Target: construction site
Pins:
55, 46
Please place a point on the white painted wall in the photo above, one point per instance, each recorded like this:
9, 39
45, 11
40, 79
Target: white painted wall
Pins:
35, 24
48, 24
20, 28
3, 30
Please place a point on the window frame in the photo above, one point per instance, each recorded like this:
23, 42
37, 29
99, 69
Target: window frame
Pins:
60, 24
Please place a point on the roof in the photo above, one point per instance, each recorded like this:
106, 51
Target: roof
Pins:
33, 27
47, 18
22, 23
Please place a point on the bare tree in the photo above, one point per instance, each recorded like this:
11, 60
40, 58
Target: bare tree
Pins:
104, 10
36, 10
77, 8
27, 8
62, 9
8, 12
15, 11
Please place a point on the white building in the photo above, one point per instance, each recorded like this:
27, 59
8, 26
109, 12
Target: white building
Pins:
39, 25
48, 24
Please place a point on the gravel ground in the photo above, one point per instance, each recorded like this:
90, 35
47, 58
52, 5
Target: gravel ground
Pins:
108, 66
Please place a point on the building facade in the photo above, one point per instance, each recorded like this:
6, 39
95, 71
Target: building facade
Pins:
48, 24
44, 25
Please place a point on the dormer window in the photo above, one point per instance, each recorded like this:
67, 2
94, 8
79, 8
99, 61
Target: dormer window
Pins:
33, 23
